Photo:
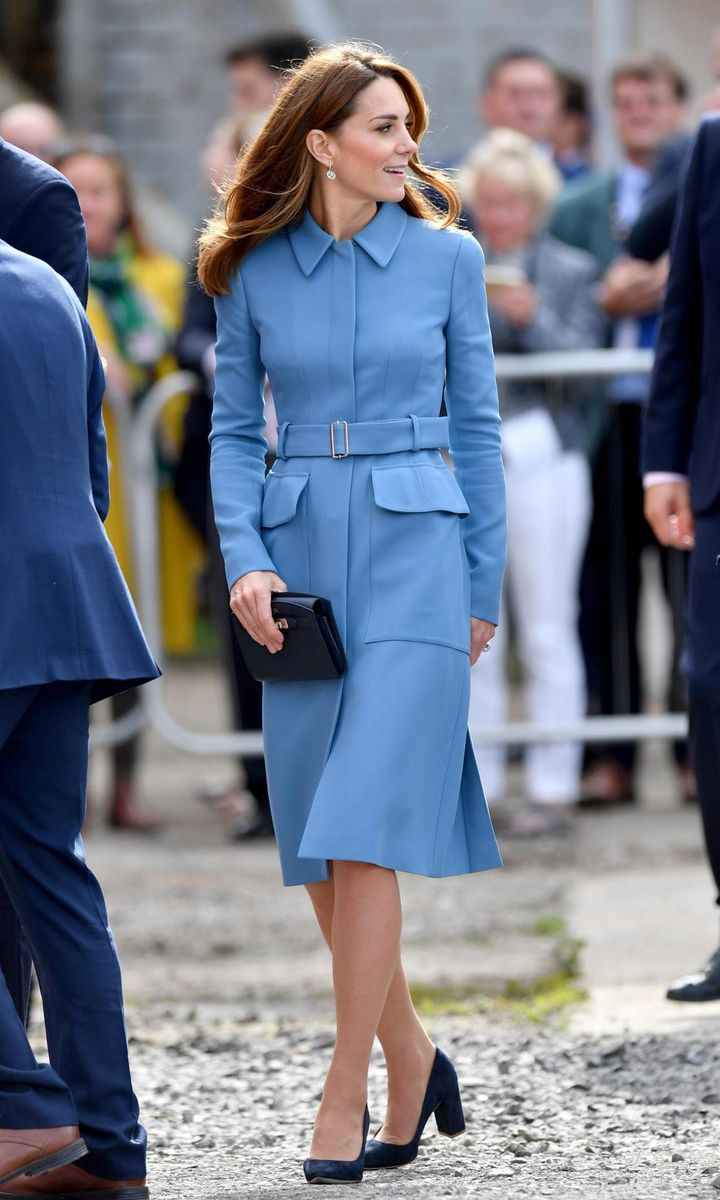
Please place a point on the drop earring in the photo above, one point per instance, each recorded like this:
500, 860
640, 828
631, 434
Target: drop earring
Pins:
330, 173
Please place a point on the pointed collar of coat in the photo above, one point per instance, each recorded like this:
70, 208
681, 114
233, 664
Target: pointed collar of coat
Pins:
379, 238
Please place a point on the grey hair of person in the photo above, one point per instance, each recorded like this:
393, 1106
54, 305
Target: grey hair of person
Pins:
511, 158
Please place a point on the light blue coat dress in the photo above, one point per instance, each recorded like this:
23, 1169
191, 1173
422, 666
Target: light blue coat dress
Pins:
378, 766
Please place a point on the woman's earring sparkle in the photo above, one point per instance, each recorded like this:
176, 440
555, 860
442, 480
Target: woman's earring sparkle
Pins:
330, 172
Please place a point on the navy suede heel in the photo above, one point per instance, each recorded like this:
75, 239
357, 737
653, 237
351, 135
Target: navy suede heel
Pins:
337, 1170
442, 1098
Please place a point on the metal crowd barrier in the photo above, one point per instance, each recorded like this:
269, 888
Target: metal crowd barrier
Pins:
137, 437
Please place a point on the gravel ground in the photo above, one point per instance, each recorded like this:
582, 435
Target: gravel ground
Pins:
230, 1010
548, 1114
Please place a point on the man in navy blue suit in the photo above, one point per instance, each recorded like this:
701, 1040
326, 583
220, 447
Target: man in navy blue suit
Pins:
682, 477
69, 635
39, 214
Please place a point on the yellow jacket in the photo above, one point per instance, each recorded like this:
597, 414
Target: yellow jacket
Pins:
162, 279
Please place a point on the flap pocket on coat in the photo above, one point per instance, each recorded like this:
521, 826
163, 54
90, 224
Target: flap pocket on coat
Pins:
421, 488
280, 498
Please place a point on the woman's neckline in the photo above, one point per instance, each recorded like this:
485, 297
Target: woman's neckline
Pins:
327, 233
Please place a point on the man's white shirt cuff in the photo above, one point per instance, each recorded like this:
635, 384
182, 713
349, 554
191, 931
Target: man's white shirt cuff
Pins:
651, 478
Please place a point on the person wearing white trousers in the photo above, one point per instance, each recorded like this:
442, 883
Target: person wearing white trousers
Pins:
542, 297
548, 520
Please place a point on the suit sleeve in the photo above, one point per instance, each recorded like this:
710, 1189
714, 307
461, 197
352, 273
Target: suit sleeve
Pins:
55, 233
237, 445
97, 442
472, 404
650, 235
675, 382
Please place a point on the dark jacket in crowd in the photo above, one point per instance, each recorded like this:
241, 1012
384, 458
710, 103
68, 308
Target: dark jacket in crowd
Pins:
192, 471
65, 611
649, 237
583, 218
40, 215
682, 432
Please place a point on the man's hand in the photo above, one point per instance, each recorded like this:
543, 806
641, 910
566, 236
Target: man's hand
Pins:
517, 303
250, 598
632, 288
669, 515
480, 634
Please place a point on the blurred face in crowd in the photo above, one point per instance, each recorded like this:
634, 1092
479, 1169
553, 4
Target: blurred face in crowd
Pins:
525, 96
32, 127
505, 215
219, 152
252, 85
99, 190
646, 113
370, 150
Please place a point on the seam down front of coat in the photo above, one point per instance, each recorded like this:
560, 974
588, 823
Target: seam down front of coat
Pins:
377, 766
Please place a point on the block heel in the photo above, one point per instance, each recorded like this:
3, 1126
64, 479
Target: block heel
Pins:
442, 1098
449, 1115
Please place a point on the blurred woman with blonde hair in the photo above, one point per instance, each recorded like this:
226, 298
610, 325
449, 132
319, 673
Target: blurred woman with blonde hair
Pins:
541, 298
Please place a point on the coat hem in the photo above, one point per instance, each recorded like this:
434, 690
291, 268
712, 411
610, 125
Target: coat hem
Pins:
491, 864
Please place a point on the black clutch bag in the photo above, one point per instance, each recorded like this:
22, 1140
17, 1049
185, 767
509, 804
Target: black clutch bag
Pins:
312, 647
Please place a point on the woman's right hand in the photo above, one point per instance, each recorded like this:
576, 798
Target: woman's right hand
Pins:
250, 598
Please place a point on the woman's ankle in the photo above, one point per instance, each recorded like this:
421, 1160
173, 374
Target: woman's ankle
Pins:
410, 1060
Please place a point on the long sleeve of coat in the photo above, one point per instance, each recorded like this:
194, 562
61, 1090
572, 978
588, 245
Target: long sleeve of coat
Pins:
237, 454
472, 404
675, 384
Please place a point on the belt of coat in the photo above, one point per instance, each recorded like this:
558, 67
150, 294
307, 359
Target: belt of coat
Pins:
338, 439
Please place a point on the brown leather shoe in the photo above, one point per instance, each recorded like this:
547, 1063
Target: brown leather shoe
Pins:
70, 1183
35, 1151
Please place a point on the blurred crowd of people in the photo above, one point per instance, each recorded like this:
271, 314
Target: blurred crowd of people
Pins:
576, 259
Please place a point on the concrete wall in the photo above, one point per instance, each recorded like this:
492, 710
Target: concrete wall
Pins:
448, 42
148, 72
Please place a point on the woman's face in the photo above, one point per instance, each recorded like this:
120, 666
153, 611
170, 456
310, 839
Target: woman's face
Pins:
371, 149
101, 200
505, 216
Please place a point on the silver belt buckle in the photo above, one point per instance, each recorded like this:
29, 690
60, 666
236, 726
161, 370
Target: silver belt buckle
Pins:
333, 452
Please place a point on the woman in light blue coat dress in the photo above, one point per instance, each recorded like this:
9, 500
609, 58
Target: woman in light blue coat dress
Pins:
334, 275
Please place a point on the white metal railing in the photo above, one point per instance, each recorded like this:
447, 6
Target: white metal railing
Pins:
138, 440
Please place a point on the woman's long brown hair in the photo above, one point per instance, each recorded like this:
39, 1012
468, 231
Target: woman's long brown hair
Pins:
274, 172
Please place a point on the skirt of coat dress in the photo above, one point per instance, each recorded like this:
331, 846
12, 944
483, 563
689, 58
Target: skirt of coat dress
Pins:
377, 767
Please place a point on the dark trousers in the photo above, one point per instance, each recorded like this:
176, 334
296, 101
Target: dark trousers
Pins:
702, 665
43, 778
611, 584
15, 959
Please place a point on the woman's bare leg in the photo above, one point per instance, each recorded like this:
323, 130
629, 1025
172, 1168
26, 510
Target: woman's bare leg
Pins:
408, 1051
365, 940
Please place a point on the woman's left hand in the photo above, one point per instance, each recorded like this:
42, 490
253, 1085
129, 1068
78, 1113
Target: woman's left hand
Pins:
480, 634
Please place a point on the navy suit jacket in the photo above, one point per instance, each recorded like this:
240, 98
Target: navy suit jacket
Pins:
65, 611
650, 236
40, 214
682, 430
